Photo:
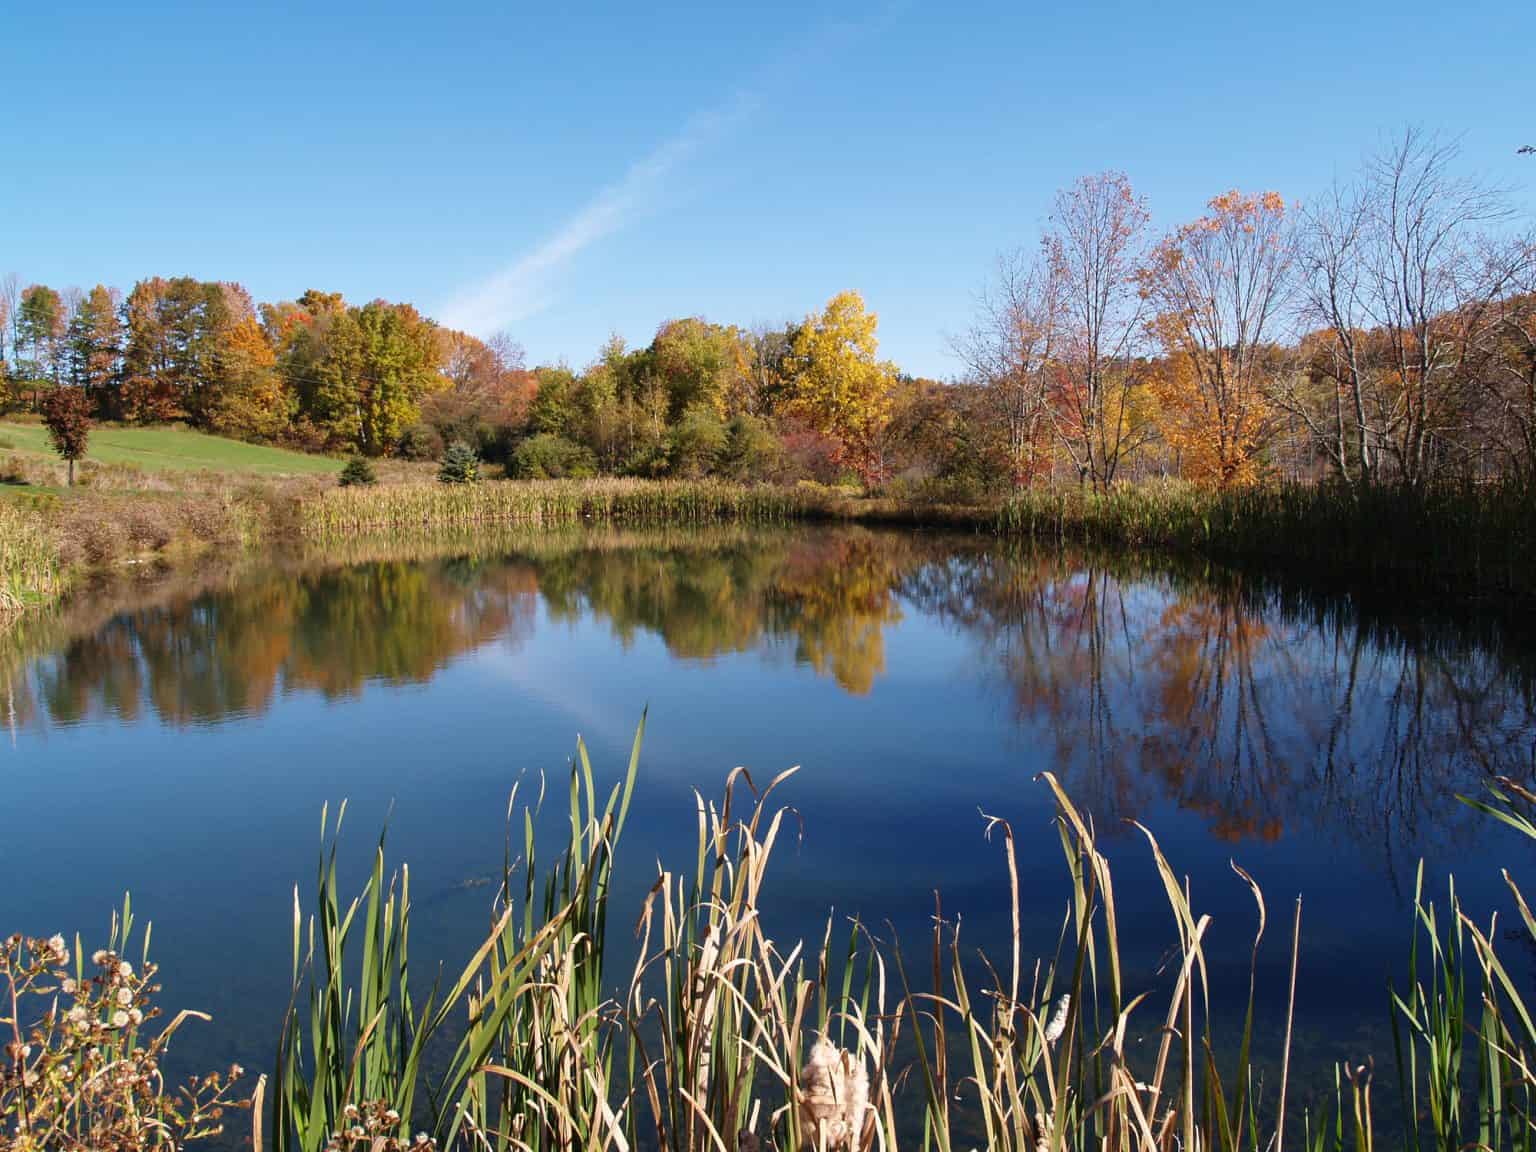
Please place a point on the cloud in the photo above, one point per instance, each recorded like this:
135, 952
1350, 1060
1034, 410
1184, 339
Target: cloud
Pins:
523, 287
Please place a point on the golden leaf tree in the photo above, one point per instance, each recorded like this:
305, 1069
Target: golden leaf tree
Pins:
1216, 287
837, 382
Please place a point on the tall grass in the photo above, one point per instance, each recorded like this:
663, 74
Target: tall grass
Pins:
546, 503
1483, 533
720, 1037
30, 568
723, 1038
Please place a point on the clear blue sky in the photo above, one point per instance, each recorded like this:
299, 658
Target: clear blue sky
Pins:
569, 170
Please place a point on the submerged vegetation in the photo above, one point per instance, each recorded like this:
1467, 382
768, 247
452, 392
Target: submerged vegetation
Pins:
718, 1036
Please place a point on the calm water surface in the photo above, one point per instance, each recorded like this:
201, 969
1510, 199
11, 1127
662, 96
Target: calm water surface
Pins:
179, 742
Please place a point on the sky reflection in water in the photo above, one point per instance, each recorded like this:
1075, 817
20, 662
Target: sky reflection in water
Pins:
180, 742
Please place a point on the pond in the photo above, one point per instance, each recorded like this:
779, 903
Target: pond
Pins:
179, 738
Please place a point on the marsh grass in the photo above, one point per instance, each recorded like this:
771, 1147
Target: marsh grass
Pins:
721, 1037
724, 1038
547, 503
1477, 533
30, 569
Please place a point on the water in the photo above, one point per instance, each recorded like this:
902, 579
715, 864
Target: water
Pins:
178, 739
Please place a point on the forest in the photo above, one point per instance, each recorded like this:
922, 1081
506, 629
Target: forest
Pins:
1382, 332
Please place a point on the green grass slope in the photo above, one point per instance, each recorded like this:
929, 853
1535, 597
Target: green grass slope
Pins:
172, 448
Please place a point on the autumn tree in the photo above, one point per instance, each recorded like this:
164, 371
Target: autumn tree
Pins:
1096, 247
251, 401
178, 334
1217, 287
700, 364
766, 347
1508, 385
836, 381
67, 415
487, 396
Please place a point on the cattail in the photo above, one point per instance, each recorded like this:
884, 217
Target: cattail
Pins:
834, 1102
1058, 1021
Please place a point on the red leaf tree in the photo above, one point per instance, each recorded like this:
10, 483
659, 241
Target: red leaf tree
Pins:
67, 414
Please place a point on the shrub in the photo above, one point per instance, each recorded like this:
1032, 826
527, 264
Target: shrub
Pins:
752, 451
83, 1065
550, 457
420, 441
811, 455
460, 465
359, 470
696, 443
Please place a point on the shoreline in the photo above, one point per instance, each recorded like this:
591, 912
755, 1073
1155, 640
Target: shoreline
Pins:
1475, 543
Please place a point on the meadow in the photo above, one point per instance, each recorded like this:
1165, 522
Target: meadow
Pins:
171, 448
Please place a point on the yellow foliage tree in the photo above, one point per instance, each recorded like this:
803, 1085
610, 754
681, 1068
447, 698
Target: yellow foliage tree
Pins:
252, 401
1216, 286
836, 381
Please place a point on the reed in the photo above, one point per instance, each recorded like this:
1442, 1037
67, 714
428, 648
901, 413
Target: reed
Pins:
30, 569
723, 1039
1452, 533
341, 512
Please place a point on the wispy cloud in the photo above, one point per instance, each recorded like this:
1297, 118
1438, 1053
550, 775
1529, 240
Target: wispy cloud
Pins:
523, 287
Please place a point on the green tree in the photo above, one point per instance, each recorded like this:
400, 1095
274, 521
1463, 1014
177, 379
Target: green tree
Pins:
554, 410
40, 331
95, 341
360, 374
460, 465
359, 472
696, 443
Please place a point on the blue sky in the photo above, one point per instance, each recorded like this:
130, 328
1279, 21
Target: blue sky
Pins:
564, 171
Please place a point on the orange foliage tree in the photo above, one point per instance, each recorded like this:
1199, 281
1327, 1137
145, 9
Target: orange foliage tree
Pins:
1216, 287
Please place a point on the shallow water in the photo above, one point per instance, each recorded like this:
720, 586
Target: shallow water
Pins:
179, 739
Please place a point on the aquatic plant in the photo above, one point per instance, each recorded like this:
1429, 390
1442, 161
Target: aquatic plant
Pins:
723, 1038
1450, 533
544, 503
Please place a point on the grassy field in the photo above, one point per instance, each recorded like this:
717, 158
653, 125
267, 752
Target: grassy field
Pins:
172, 448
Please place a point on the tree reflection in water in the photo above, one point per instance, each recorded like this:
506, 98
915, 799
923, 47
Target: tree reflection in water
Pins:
1256, 705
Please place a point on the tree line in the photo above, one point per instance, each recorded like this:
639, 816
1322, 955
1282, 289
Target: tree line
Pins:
1383, 332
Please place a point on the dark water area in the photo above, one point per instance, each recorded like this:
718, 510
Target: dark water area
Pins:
178, 740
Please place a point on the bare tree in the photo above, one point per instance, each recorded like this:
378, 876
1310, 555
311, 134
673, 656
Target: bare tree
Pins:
1332, 234
1404, 276
10, 301
1097, 245
1009, 352
1432, 274
766, 347
1508, 378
